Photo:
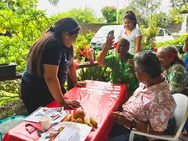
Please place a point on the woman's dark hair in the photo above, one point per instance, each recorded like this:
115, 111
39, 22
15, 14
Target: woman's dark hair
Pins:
65, 25
148, 62
172, 51
130, 15
47, 39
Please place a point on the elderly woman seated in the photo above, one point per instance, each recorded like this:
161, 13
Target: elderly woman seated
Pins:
174, 69
151, 106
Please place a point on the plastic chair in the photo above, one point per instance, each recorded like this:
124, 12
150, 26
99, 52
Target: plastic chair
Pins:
181, 114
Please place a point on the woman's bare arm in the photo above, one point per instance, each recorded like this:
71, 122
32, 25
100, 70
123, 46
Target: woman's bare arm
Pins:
52, 81
72, 72
139, 125
50, 75
185, 47
102, 54
138, 44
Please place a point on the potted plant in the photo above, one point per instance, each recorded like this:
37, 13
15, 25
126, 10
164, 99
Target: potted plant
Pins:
7, 70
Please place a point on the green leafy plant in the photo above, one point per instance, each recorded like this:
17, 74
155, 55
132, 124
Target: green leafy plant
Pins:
24, 29
109, 12
178, 43
6, 97
24, 24
149, 33
94, 73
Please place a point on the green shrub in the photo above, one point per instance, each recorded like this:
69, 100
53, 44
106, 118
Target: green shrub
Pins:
94, 73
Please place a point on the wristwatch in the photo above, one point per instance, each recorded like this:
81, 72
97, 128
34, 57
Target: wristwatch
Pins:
133, 124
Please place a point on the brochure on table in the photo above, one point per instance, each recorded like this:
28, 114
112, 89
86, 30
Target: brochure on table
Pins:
67, 131
57, 114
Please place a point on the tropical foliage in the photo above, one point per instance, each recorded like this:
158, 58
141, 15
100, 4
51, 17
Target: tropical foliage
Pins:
178, 4
86, 15
94, 73
148, 33
25, 25
82, 48
109, 13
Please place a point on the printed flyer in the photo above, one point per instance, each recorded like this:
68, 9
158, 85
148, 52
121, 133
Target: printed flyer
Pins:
57, 114
67, 131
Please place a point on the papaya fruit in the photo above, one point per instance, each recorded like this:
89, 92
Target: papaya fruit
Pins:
79, 114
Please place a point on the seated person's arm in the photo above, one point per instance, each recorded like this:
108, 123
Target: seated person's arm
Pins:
139, 125
102, 54
138, 44
185, 47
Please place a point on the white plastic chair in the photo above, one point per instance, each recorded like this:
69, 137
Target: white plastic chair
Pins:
181, 114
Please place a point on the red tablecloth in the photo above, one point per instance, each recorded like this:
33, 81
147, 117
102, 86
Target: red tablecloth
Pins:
97, 100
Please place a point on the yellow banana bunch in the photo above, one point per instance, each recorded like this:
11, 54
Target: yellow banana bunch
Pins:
68, 117
93, 122
86, 121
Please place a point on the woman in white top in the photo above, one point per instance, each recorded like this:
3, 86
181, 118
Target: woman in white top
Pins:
131, 32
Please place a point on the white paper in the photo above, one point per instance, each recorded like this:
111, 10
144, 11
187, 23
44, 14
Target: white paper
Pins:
57, 114
113, 96
117, 87
115, 92
107, 92
67, 131
84, 89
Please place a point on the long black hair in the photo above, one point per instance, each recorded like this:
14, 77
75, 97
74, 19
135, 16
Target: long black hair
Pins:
47, 39
131, 16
